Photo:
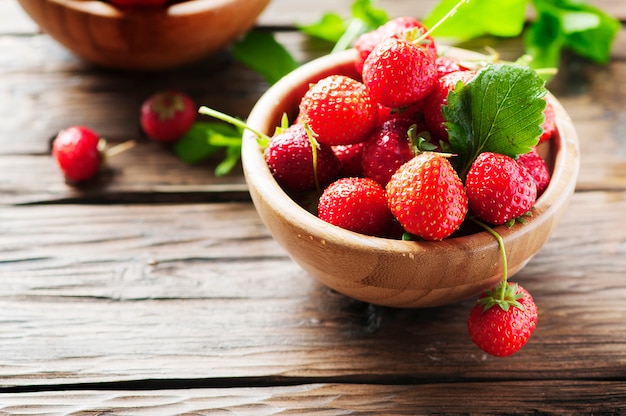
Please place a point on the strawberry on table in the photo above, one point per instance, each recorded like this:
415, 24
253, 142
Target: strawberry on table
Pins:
499, 189
427, 197
77, 153
502, 321
289, 156
356, 204
339, 110
167, 115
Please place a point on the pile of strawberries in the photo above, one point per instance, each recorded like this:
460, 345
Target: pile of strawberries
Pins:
376, 146
375, 154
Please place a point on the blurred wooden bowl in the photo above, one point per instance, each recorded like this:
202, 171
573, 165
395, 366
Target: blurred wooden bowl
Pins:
393, 272
144, 38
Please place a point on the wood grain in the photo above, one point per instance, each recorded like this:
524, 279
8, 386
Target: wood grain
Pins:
517, 397
137, 284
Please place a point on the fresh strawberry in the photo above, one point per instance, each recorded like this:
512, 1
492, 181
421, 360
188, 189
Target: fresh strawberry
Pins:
537, 167
499, 189
549, 124
501, 322
427, 197
77, 153
446, 65
438, 98
356, 204
397, 27
351, 158
387, 148
167, 115
290, 159
399, 73
339, 110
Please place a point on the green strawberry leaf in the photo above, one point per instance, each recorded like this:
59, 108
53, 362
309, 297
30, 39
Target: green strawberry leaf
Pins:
500, 110
329, 28
332, 28
478, 18
577, 26
261, 52
207, 138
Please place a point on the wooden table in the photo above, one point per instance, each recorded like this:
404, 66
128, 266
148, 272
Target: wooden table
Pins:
157, 290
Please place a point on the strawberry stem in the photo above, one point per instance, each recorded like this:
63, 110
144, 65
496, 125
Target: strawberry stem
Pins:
311, 135
119, 148
504, 281
450, 13
231, 120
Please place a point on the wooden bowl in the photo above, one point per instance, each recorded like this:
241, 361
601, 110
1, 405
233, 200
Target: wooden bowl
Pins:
393, 272
144, 38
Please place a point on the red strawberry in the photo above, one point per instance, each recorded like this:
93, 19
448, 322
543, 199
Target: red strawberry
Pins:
167, 115
427, 197
351, 158
397, 27
438, 98
501, 326
290, 159
387, 148
399, 73
549, 124
499, 189
339, 110
537, 167
445, 65
356, 204
76, 151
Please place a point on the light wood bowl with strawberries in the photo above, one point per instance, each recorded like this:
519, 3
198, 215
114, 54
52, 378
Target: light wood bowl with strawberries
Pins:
144, 38
390, 272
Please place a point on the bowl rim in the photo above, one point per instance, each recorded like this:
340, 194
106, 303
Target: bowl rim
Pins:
565, 154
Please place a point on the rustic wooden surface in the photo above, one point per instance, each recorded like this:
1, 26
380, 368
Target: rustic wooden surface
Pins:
157, 290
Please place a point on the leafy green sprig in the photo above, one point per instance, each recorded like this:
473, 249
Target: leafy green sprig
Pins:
558, 24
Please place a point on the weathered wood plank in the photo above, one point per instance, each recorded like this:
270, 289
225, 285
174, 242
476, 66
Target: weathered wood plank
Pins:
592, 95
515, 397
113, 293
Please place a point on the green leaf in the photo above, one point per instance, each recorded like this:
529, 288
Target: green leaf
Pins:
233, 154
261, 52
500, 110
343, 32
330, 27
575, 25
544, 41
194, 147
365, 11
476, 18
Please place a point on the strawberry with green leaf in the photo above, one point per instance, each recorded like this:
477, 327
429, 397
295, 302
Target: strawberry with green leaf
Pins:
503, 319
500, 111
